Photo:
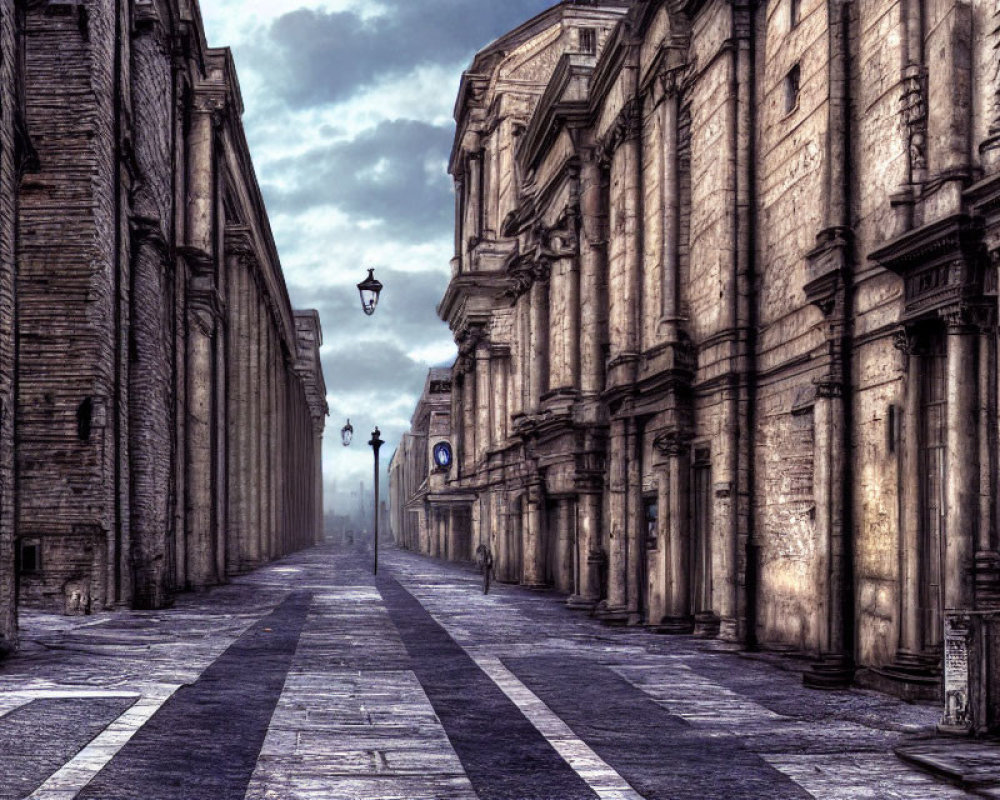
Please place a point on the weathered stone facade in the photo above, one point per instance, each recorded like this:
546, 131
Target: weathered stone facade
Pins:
169, 403
428, 512
725, 293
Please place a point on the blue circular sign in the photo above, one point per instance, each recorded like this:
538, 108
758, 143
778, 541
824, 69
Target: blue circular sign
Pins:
442, 454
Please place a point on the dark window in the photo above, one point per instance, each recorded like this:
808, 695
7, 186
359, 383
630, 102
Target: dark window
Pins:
792, 84
84, 419
651, 511
794, 12
29, 558
588, 41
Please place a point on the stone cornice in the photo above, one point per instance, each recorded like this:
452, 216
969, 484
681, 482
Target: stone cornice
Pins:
942, 265
565, 102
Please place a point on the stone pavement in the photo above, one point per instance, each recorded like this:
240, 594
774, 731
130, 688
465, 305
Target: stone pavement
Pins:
313, 679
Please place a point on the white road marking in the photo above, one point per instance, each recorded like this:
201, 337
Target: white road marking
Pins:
595, 771
74, 776
600, 776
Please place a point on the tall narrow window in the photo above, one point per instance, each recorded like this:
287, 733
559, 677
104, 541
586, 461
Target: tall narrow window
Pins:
792, 85
588, 41
794, 13
932, 469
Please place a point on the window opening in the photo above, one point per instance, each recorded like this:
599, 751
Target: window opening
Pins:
29, 558
792, 86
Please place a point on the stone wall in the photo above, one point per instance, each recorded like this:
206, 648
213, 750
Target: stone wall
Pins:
170, 403
744, 258
13, 159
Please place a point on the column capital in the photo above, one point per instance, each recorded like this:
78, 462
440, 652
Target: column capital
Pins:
963, 319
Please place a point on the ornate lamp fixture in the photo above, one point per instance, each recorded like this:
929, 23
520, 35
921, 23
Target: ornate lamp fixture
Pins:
347, 434
370, 289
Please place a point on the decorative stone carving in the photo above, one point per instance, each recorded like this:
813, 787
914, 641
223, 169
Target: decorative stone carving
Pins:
674, 443
627, 125
914, 110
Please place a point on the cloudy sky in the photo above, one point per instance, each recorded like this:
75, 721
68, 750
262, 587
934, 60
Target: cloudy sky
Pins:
349, 117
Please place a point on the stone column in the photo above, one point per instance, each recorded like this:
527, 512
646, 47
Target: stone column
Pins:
588, 544
564, 325
149, 420
485, 402
987, 446
220, 432
564, 544
236, 418
474, 201
200, 416
617, 600
631, 151
318, 472
441, 550
281, 449
538, 375
453, 552
253, 425
469, 433
205, 115
670, 301
499, 370
202, 319
533, 550
525, 361
591, 278
829, 492
911, 643
266, 447
423, 531
962, 465
635, 536
675, 516
948, 39
990, 148
274, 459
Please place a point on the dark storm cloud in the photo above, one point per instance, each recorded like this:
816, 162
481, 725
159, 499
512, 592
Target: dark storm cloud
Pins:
393, 173
321, 57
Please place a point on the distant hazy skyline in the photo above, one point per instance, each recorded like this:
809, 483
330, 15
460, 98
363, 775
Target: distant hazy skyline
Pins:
349, 118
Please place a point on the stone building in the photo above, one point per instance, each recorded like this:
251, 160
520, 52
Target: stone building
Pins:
168, 403
428, 512
725, 292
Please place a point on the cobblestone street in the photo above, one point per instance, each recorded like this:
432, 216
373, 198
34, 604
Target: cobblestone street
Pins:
313, 679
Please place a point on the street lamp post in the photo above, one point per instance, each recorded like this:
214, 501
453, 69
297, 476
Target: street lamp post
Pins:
376, 442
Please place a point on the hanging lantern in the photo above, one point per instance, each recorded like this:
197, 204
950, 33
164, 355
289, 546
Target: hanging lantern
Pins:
347, 434
370, 289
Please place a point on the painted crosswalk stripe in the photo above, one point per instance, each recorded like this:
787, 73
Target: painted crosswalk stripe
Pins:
598, 774
67, 783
